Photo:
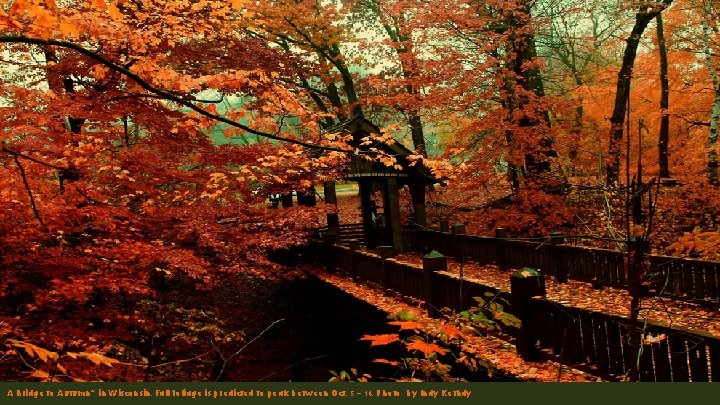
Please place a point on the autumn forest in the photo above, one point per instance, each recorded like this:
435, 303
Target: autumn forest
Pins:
179, 189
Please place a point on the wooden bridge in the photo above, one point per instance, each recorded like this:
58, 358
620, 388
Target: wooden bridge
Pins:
588, 340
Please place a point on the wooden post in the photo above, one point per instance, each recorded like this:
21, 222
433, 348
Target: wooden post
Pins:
561, 271
637, 287
417, 194
392, 212
458, 228
432, 262
329, 192
331, 236
444, 225
501, 233
386, 252
368, 229
333, 220
525, 284
286, 200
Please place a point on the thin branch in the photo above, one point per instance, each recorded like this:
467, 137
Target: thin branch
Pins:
226, 360
293, 365
32, 159
29, 191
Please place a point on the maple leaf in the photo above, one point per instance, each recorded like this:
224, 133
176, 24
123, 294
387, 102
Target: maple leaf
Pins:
379, 340
35, 351
452, 331
95, 358
428, 349
40, 374
407, 325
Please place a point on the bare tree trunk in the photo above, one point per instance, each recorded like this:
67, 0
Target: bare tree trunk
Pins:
642, 18
664, 137
712, 161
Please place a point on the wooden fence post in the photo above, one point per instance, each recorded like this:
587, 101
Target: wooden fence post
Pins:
638, 288
333, 233
444, 225
561, 271
458, 229
501, 233
386, 252
329, 192
432, 262
525, 284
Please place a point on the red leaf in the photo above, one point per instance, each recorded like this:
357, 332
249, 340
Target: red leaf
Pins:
379, 340
426, 348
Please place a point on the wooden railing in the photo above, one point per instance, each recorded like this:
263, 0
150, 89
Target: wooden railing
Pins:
588, 340
680, 278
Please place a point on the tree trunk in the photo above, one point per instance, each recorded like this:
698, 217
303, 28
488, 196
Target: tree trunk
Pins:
642, 18
416, 127
538, 160
664, 137
712, 160
418, 137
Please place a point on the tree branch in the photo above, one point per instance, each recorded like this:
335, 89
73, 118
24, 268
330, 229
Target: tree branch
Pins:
29, 191
157, 91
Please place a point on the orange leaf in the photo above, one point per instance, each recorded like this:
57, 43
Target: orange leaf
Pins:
452, 332
96, 358
69, 29
426, 348
407, 325
379, 340
114, 12
40, 374
385, 361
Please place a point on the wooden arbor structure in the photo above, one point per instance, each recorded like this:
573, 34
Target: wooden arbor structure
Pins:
372, 175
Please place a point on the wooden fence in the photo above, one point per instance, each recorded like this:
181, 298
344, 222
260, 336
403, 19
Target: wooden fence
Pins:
680, 278
588, 340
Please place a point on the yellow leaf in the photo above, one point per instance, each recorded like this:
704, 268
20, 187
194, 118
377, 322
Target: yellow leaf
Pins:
35, 351
40, 374
237, 4
96, 358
